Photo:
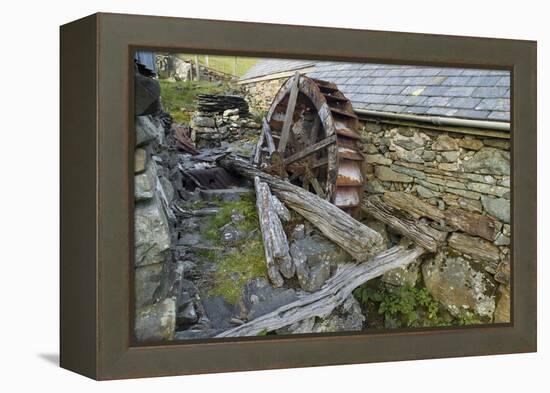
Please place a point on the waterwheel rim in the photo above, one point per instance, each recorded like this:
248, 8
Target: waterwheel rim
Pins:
337, 166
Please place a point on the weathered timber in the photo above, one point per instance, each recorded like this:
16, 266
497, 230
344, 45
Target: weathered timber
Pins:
360, 241
402, 222
285, 132
258, 149
309, 150
268, 136
280, 208
276, 248
472, 223
333, 293
475, 247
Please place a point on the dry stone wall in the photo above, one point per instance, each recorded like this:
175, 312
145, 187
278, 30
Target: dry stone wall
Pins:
260, 94
459, 176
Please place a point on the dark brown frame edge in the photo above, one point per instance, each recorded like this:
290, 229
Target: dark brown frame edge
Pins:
96, 195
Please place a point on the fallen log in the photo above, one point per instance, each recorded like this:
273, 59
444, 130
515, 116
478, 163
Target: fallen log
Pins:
331, 295
401, 222
360, 241
472, 223
277, 255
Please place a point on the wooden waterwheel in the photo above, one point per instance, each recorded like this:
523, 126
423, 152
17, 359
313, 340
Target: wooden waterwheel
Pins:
309, 136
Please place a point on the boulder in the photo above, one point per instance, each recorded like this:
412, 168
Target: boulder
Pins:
146, 281
140, 160
489, 160
151, 233
148, 130
497, 207
156, 322
260, 298
144, 185
219, 312
454, 282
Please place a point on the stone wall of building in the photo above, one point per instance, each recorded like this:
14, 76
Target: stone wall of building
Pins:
260, 94
453, 173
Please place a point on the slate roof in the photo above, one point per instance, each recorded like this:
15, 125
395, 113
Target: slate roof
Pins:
419, 90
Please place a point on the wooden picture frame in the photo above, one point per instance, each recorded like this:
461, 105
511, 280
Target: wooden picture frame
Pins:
97, 195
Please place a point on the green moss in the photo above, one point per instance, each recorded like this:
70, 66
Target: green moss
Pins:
179, 98
246, 206
248, 261
244, 262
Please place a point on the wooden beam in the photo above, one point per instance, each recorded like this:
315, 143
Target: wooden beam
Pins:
309, 150
333, 293
401, 222
360, 241
285, 132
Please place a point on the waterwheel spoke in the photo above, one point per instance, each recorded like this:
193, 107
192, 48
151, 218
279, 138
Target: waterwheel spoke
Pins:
285, 132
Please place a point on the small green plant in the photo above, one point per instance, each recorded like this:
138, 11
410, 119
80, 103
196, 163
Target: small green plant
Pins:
411, 306
467, 318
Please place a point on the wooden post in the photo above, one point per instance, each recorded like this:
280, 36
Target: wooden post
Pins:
197, 69
285, 132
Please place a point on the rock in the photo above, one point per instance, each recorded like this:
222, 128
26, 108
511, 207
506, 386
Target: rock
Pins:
167, 189
502, 274
370, 148
470, 143
299, 232
231, 235
218, 311
445, 143
409, 143
374, 186
151, 234
476, 247
423, 192
502, 311
497, 207
409, 171
236, 216
488, 160
148, 130
497, 143
146, 281
187, 315
377, 159
146, 95
449, 156
190, 239
456, 285
428, 155
488, 189
502, 240
231, 112
203, 121
449, 167
140, 160
403, 276
260, 298
317, 249
386, 174
144, 186
156, 322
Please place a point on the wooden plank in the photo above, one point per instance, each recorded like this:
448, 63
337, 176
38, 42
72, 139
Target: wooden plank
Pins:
333, 293
289, 114
258, 150
421, 234
472, 223
310, 149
